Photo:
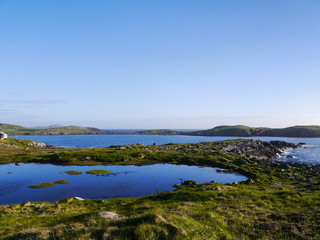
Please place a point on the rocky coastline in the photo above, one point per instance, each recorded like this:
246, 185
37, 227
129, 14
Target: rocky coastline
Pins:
260, 150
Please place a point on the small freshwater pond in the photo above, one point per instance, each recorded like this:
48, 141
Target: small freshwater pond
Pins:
123, 181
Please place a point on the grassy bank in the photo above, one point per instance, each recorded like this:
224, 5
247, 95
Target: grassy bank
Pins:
279, 200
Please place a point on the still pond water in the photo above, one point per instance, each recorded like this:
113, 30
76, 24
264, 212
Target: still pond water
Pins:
123, 181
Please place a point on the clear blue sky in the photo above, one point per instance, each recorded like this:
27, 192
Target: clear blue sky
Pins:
160, 64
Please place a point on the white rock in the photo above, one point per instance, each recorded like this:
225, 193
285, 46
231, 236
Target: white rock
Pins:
79, 198
109, 215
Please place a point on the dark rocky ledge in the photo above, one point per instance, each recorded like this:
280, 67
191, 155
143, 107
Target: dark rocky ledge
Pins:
259, 149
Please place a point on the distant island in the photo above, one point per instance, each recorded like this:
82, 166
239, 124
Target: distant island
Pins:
232, 131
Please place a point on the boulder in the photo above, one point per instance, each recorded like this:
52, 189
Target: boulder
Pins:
78, 198
37, 144
109, 215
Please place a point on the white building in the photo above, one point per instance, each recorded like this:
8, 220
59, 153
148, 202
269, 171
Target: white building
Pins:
3, 135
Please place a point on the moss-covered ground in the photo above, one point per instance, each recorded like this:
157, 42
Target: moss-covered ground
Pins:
279, 201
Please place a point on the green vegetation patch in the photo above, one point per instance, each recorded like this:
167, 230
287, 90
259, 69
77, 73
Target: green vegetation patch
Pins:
96, 172
61, 181
49, 184
72, 172
43, 185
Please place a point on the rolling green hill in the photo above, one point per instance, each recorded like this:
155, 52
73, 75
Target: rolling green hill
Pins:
296, 131
18, 130
245, 131
238, 130
11, 129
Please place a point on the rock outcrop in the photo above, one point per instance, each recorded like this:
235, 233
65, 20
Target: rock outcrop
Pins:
259, 149
37, 144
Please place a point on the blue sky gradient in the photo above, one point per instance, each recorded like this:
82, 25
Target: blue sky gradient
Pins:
160, 64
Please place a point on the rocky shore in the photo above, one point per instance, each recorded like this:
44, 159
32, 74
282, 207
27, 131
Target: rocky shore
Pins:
258, 149
266, 152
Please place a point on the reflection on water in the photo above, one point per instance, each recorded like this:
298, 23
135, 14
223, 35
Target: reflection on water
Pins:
123, 181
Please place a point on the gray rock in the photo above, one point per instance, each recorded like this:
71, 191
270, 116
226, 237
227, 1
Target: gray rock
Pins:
258, 150
109, 215
37, 144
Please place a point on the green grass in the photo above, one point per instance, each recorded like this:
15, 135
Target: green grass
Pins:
206, 211
72, 172
97, 172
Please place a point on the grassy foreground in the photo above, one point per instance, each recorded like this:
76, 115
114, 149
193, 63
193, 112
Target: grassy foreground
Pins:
279, 200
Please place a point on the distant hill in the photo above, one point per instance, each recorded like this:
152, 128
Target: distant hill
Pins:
238, 130
160, 132
72, 130
234, 131
245, 131
296, 131
51, 126
55, 126
69, 130
9, 129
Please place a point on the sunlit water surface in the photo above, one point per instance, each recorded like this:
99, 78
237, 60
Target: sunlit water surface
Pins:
123, 181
